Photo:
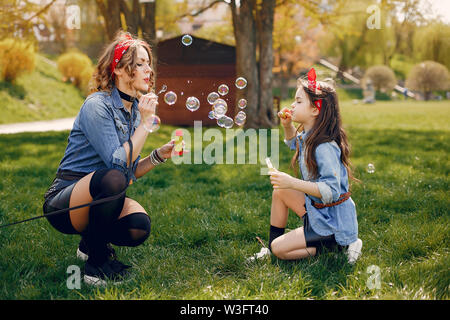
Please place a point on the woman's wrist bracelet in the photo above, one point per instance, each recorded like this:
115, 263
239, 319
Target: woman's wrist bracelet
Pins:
155, 158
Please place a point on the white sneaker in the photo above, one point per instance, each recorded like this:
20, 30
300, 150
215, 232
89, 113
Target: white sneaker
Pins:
354, 251
264, 252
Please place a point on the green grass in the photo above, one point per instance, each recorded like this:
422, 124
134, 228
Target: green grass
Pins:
205, 219
40, 95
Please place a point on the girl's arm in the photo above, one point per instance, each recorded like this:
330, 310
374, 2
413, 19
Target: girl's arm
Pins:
286, 121
281, 180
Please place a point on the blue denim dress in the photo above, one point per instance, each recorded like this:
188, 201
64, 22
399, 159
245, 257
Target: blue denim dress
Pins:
332, 181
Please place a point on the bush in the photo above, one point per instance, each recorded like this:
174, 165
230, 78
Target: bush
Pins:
382, 78
16, 57
77, 68
427, 77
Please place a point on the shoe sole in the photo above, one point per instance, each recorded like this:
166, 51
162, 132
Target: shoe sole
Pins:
356, 252
94, 281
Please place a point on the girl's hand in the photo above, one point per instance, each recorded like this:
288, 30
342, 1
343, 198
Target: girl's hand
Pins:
281, 180
147, 105
166, 150
285, 117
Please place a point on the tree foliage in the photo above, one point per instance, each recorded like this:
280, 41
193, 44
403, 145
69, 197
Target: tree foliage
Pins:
16, 58
428, 76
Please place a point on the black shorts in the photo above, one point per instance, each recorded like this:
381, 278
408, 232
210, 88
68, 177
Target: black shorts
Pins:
57, 197
315, 240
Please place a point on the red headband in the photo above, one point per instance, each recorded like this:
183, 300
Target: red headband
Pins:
313, 85
120, 50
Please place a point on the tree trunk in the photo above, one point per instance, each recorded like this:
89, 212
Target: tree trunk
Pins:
132, 16
111, 14
148, 25
264, 18
246, 66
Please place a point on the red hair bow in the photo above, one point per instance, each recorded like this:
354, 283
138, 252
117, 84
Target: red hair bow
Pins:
120, 50
313, 85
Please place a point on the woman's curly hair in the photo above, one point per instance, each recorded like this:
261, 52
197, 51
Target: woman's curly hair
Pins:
103, 78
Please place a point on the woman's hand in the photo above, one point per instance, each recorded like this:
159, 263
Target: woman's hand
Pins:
285, 117
147, 105
281, 180
166, 150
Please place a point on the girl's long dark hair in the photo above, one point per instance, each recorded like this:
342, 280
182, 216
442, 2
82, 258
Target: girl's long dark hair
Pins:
328, 127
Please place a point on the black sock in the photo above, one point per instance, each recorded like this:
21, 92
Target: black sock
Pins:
275, 232
104, 183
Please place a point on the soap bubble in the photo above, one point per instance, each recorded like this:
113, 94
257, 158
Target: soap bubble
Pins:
212, 97
152, 124
370, 168
186, 40
220, 107
170, 98
211, 115
240, 117
223, 89
225, 122
192, 103
241, 83
241, 114
242, 103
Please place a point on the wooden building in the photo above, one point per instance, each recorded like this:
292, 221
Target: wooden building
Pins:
194, 70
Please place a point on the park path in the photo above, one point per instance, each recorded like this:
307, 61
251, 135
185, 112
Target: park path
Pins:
38, 126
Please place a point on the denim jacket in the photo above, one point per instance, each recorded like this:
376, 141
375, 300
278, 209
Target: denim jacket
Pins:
332, 181
100, 129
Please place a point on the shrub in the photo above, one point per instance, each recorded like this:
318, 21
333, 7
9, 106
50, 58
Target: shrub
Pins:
427, 77
382, 78
77, 68
16, 57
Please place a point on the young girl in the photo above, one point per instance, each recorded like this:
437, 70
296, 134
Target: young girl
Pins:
103, 156
321, 198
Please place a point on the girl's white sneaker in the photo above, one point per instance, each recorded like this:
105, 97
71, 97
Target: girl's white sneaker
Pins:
261, 254
354, 251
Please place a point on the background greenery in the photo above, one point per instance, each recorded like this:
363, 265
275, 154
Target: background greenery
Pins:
205, 220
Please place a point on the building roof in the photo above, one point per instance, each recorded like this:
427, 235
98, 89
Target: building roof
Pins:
200, 51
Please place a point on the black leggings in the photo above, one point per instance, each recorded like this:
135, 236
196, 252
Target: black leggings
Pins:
104, 225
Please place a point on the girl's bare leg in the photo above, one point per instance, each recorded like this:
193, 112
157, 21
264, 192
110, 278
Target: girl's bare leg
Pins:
291, 245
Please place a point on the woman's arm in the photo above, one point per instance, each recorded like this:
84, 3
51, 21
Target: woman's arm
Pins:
138, 140
145, 165
147, 106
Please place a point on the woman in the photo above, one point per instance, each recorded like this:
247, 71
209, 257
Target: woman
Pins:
102, 158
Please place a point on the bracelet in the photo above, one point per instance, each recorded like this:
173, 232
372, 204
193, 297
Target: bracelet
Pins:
155, 158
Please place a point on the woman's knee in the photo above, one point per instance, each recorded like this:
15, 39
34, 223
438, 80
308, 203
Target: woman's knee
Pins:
107, 182
131, 230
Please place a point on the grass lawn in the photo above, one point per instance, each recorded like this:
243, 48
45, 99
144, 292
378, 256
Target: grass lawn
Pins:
205, 219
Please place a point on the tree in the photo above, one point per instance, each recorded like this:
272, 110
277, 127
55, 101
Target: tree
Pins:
381, 77
295, 43
427, 77
132, 16
17, 18
431, 42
